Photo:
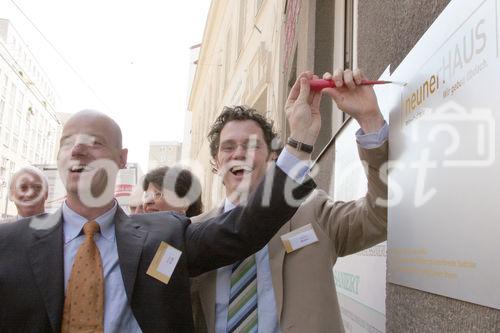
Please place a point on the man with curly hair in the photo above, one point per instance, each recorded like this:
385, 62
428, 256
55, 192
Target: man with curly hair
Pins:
281, 288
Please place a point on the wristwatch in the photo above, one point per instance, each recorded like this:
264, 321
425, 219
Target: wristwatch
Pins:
300, 145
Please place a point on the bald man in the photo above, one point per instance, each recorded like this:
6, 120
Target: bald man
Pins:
91, 267
28, 189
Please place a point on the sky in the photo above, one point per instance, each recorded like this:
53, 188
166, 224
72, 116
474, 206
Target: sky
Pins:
131, 58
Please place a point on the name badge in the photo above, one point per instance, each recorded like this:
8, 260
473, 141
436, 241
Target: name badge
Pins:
164, 262
299, 238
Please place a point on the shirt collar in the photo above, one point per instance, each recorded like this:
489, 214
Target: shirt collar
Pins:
228, 205
73, 223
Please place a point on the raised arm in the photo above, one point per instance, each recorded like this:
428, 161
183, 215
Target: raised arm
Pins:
244, 230
359, 224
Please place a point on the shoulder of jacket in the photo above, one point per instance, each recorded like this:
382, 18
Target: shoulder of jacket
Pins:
316, 198
207, 215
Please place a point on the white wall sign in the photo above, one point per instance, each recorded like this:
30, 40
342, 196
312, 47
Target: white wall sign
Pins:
445, 181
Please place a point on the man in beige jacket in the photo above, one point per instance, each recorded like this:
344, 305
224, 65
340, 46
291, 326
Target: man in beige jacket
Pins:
289, 284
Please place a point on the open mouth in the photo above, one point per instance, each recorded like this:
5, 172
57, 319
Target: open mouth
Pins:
79, 168
240, 170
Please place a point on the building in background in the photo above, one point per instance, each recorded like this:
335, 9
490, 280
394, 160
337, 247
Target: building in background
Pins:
29, 127
186, 141
239, 63
164, 153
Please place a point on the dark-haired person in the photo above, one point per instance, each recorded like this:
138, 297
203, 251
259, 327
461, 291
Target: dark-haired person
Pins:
276, 291
91, 267
176, 184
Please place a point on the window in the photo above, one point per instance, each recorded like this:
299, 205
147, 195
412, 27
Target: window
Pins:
15, 143
25, 148
258, 4
27, 127
6, 138
2, 110
242, 25
20, 101
5, 82
38, 142
12, 167
12, 98
3, 168
343, 52
349, 34
17, 123
228, 58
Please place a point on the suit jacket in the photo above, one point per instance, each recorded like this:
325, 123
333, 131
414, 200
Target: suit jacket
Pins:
302, 280
31, 260
10, 219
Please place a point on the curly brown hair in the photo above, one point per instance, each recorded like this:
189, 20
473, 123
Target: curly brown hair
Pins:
238, 113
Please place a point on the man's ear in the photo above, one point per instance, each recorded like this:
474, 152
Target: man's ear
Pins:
214, 165
123, 158
273, 156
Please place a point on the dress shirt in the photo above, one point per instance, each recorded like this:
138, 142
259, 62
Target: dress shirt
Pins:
267, 315
118, 316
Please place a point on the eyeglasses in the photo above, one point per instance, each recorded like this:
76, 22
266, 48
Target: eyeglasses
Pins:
230, 147
146, 196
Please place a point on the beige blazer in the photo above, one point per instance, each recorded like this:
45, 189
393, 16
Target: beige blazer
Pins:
303, 282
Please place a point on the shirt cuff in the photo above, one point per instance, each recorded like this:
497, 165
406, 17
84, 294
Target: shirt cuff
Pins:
372, 140
294, 167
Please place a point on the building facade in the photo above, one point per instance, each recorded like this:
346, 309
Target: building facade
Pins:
29, 127
239, 63
252, 52
164, 153
188, 117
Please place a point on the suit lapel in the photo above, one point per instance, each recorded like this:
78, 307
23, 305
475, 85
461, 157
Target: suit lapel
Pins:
276, 259
129, 241
208, 284
207, 295
46, 256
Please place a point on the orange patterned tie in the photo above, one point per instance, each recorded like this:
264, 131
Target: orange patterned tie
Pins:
84, 302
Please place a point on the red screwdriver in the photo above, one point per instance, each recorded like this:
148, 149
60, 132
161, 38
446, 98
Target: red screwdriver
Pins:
318, 84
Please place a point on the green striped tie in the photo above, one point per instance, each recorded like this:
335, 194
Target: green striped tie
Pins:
242, 309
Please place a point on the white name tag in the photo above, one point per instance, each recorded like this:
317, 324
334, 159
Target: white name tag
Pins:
299, 238
164, 262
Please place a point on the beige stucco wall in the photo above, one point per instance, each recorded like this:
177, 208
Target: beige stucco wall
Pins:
238, 64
